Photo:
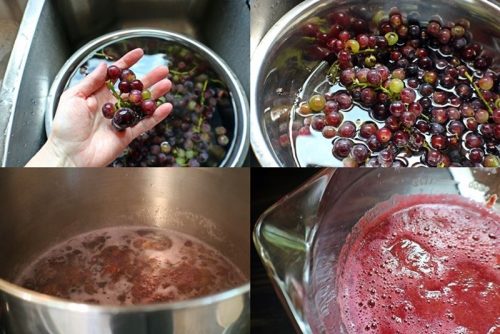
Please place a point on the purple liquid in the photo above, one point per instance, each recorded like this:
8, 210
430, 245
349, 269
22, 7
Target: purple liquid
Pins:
131, 265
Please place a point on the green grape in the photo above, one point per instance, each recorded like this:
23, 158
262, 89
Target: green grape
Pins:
370, 61
353, 45
391, 37
491, 161
317, 103
396, 86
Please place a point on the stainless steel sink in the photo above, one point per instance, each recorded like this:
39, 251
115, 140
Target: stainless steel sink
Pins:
51, 30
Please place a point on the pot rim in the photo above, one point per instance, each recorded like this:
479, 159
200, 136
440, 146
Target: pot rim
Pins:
236, 154
60, 303
260, 144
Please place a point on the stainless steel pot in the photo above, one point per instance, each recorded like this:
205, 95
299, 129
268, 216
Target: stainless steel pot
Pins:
300, 237
54, 205
239, 119
273, 91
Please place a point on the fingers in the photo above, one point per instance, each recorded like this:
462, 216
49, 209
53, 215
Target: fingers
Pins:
160, 88
130, 58
148, 123
90, 83
154, 76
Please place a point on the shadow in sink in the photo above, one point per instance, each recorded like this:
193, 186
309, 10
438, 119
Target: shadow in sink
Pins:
55, 29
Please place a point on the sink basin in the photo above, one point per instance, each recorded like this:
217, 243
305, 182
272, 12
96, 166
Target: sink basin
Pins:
52, 30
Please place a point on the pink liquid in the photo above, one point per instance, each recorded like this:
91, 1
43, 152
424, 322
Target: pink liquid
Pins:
131, 265
429, 264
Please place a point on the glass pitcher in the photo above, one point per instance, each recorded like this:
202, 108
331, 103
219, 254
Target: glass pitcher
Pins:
301, 236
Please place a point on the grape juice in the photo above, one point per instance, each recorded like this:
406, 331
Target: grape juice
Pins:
429, 264
131, 265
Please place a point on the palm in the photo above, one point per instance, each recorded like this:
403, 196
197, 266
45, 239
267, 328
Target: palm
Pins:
80, 132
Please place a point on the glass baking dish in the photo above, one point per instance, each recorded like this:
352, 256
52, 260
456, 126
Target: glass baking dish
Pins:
303, 233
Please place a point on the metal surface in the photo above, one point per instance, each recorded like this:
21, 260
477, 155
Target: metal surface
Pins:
275, 90
301, 236
52, 30
239, 146
210, 204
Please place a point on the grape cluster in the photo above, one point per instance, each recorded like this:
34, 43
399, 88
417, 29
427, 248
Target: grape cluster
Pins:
428, 91
133, 102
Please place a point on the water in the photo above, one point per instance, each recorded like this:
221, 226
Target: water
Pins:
131, 265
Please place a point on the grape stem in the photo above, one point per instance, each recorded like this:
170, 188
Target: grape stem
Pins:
111, 87
103, 55
174, 72
478, 92
197, 129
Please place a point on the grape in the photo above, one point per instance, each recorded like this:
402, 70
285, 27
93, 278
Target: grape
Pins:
344, 100
148, 107
127, 76
473, 141
396, 86
146, 94
384, 135
485, 83
347, 129
373, 143
397, 108
368, 96
408, 95
135, 97
349, 162
400, 138
482, 116
331, 106
124, 87
304, 108
391, 38
124, 118
426, 89
108, 110
353, 45
136, 85
317, 103
433, 158
223, 140
415, 108
360, 153
165, 147
416, 141
456, 128
329, 132
408, 119
334, 118
318, 122
439, 142
113, 73
491, 161
385, 158
368, 129
342, 147
310, 29
362, 75
347, 76
476, 155
392, 123
496, 115
373, 77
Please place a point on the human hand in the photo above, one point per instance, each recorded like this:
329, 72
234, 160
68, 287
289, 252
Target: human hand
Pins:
81, 136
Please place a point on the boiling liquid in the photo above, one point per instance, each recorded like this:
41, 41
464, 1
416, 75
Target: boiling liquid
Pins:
131, 265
